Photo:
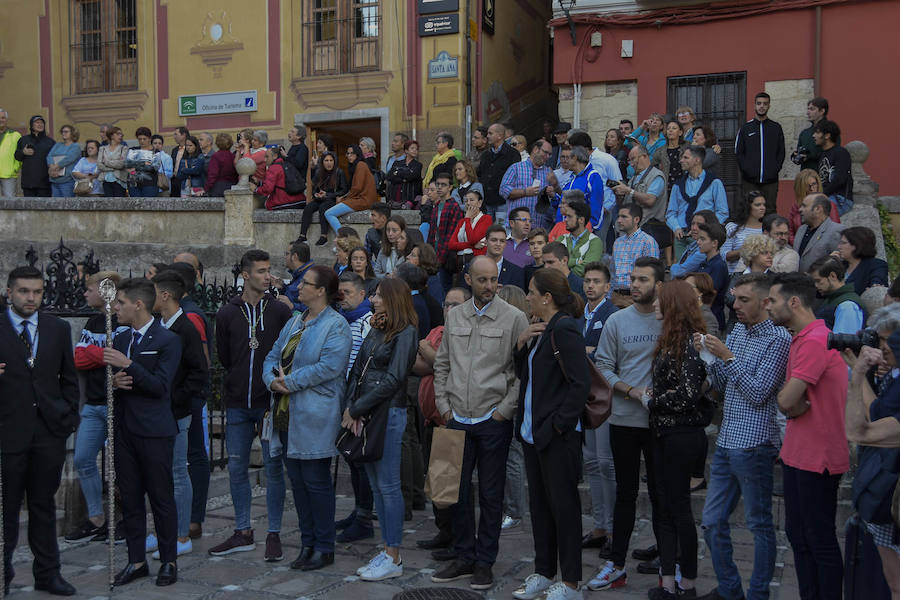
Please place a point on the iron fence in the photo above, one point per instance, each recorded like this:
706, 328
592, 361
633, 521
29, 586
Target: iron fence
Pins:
64, 286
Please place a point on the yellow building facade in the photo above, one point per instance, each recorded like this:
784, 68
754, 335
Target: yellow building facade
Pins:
349, 67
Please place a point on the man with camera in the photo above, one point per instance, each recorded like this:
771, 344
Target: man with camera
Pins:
647, 189
807, 154
814, 451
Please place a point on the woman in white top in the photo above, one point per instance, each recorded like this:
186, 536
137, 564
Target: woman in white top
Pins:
86, 168
747, 220
389, 257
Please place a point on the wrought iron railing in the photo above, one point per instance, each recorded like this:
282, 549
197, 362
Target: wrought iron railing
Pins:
64, 286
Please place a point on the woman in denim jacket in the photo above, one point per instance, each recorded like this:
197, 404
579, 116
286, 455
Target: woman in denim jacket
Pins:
305, 371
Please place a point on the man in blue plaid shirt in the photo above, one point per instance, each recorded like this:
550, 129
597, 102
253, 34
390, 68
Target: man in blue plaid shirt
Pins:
524, 181
749, 369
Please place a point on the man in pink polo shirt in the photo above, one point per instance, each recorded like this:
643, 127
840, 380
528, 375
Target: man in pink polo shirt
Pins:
814, 452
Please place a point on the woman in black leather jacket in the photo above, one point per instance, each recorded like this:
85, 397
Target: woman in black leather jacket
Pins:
379, 375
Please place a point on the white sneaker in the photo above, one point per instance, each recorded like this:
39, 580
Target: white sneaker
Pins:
509, 522
560, 591
380, 568
608, 577
372, 561
180, 548
535, 585
151, 544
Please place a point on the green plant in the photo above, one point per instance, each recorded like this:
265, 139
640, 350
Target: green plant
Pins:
891, 246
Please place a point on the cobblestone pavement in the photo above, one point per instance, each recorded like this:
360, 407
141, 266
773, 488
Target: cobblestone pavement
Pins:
246, 575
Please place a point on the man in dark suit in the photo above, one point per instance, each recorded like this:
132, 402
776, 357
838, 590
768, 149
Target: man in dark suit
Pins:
146, 360
493, 165
39, 388
509, 274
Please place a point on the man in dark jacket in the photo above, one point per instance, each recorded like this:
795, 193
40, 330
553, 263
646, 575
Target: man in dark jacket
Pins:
807, 154
494, 162
180, 136
39, 388
32, 151
834, 165
191, 379
246, 329
759, 148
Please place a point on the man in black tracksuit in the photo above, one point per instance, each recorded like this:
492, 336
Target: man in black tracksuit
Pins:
498, 157
759, 148
32, 151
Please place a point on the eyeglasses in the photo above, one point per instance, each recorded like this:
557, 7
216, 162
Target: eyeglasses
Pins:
522, 219
684, 114
304, 282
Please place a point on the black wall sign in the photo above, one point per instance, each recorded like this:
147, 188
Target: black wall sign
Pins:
487, 16
438, 24
427, 7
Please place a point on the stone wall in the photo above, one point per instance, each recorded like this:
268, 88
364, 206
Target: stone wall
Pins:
603, 105
789, 100
128, 234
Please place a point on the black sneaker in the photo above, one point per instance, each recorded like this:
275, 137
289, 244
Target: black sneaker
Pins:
103, 534
482, 578
454, 571
645, 553
661, 593
84, 531
649, 567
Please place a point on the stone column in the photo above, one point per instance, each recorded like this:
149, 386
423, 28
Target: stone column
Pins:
239, 205
865, 196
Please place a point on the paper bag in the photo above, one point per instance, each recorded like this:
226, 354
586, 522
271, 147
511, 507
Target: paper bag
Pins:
442, 484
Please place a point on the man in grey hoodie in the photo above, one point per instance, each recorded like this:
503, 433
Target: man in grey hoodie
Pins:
624, 355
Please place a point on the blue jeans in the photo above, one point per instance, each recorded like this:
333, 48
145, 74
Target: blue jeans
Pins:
732, 474
384, 477
487, 447
198, 459
144, 191
842, 203
810, 507
600, 472
183, 490
88, 443
63, 190
338, 210
314, 499
241, 425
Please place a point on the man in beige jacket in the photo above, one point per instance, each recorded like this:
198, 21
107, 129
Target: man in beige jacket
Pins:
476, 390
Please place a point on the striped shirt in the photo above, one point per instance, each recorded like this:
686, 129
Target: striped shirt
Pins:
359, 329
518, 177
735, 236
751, 383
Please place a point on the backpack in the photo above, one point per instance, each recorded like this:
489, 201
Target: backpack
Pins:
380, 182
294, 182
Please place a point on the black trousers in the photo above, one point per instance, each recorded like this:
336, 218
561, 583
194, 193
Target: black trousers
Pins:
628, 443
675, 453
312, 205
36, 192
144, 467
33, 474
412, 465
555, 505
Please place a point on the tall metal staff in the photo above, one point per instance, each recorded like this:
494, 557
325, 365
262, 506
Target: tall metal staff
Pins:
107, 290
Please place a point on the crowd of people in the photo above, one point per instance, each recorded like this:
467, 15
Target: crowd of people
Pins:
535, 271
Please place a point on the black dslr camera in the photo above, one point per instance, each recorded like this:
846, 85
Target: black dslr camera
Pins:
799, 155
853, 341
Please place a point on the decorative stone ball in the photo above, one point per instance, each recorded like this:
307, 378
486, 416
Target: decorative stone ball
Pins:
245, 167
859, 152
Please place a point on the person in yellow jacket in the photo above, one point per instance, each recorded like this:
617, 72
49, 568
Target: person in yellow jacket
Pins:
9, 166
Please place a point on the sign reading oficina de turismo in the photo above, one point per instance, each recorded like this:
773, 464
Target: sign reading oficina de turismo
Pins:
217, 104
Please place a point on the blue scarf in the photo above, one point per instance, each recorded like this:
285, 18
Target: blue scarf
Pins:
352, 315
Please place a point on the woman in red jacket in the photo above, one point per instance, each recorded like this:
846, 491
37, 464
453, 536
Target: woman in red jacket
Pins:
468, 239
272, 187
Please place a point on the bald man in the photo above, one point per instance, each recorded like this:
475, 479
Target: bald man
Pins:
483, 411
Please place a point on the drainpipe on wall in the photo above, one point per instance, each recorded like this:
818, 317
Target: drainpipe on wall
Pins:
818, 68
576, 118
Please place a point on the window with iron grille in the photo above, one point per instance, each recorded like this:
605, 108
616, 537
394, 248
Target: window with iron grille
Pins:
342, 36
104, 46
719, 101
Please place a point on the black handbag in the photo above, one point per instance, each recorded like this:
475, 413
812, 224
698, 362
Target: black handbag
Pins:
368, 446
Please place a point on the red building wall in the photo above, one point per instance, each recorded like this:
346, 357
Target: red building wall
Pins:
858, 66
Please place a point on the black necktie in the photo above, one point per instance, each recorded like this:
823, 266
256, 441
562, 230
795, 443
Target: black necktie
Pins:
25, 336
135, 340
